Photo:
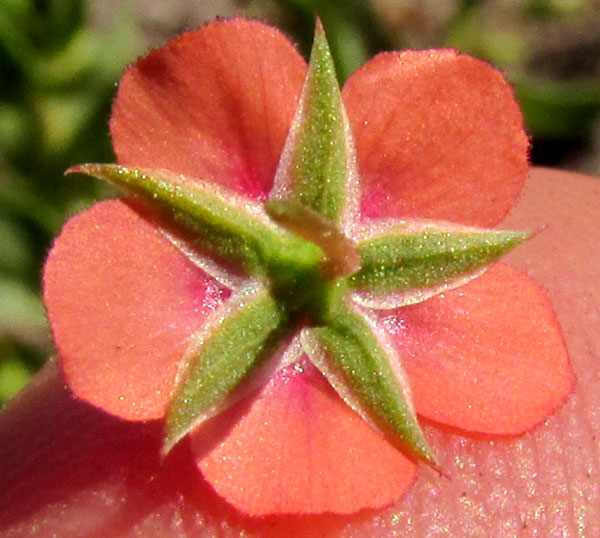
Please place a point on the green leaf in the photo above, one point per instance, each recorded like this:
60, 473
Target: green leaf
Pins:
412, 256
317, 167
217, 220
352, 353
232, 346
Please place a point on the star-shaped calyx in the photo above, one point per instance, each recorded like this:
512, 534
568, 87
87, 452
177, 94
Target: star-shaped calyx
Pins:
305, 269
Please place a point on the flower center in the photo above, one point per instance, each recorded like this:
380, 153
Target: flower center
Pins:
342, 258
316, 292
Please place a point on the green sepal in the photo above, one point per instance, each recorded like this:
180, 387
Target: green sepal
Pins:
229, 349
368, 376
317, 166
405, 258
216, 220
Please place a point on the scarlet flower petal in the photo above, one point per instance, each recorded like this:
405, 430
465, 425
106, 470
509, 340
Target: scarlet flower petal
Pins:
438, 135
123, 302
298, 448
487, 357
216, 104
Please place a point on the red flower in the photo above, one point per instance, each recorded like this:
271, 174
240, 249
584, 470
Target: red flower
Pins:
437, 135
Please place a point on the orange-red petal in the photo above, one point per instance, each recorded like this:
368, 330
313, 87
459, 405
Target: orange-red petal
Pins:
487, 357
298, 448
438, 135
215, 103
122, 302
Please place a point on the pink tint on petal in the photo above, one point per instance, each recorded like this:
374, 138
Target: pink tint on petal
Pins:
123, 302
487, 357
298, 448
438, 135
214, 104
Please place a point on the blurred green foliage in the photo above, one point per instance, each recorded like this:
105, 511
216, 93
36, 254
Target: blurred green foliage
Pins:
60, 61
57, 78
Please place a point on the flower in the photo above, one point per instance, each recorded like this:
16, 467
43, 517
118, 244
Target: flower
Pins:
188, 270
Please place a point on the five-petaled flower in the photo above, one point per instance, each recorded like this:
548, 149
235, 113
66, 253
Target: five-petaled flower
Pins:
282, 285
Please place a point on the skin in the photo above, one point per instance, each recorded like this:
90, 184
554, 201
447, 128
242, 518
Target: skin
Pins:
70, 469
